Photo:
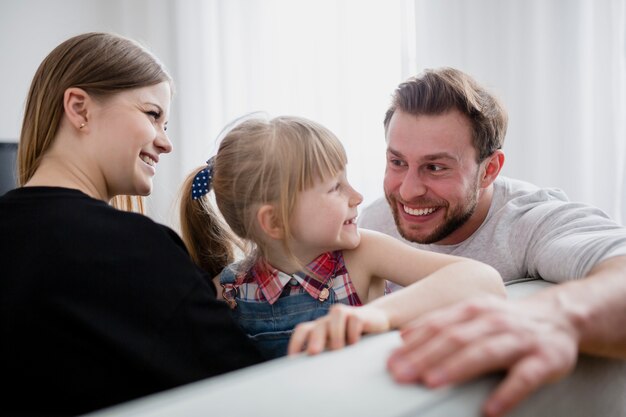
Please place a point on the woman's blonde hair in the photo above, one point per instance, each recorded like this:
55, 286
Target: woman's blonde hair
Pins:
102, 64
258, 162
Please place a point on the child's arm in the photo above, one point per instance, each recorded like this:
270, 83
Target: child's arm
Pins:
438, 280
379, 257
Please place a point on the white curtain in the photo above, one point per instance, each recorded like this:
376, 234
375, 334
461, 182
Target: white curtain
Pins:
558, 66
333, 61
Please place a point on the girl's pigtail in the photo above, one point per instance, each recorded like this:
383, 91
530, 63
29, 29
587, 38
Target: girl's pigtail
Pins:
209, 240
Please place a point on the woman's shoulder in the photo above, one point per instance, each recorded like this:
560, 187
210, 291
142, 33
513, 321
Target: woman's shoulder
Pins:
88, 225
152, 250
141, 228
81, 216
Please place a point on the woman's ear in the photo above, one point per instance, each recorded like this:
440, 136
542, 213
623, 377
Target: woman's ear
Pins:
269, 222
492, 167
76, 104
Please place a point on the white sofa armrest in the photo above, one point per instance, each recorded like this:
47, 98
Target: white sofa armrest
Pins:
354, 382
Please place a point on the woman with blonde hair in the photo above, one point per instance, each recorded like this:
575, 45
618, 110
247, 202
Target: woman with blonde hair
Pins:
100, 305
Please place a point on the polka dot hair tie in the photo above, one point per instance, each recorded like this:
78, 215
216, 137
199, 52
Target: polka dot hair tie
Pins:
202, 181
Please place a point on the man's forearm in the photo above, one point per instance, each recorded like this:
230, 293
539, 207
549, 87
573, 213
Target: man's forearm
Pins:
596, 307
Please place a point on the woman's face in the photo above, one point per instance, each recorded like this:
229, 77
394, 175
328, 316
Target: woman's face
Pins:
130, 136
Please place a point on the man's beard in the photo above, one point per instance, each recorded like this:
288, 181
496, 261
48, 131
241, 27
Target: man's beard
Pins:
453, 220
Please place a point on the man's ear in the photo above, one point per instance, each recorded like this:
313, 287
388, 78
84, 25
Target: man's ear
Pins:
491, 168
76, 103
269, 222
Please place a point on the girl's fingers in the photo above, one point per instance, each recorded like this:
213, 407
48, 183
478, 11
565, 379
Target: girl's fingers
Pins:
342, 325
354, 329
337, 318
318, 335
299, 337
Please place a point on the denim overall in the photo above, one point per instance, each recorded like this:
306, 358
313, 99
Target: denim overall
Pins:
270, 326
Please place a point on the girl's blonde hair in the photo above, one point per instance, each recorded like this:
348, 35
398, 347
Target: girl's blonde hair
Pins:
102, 64
258, 162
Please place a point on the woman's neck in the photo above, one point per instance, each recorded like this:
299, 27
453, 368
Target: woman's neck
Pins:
58, 171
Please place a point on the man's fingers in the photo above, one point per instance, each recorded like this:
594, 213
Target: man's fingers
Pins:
445, 346
460, 343
494, 353
548, 362
523, 379
423, 329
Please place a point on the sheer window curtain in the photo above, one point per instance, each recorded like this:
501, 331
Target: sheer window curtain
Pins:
332, 61
558, 66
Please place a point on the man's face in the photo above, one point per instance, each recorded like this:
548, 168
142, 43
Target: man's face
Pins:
432, 179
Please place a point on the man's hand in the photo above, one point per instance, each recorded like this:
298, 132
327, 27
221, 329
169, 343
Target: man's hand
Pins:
534, 340
342, 325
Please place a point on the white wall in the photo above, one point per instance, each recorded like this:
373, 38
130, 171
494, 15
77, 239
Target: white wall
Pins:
28, 31
557, 136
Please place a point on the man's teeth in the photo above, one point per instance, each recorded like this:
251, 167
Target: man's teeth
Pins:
419, 212
148, 160
351, 221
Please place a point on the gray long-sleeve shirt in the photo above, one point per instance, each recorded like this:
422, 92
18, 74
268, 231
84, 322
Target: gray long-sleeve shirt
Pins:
528, 232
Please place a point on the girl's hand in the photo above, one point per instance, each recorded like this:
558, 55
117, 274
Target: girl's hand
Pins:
342, 325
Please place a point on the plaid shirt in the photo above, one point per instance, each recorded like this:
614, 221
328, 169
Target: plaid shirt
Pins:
264, 283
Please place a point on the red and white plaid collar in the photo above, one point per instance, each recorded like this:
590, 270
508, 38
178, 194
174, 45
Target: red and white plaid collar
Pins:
316, 278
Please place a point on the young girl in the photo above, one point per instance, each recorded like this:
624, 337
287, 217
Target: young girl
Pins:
281, 186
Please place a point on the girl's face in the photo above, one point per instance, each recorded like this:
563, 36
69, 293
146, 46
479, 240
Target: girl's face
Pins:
130, 129
324, 218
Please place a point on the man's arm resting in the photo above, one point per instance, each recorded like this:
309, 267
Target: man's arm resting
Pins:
536, 339
596, 306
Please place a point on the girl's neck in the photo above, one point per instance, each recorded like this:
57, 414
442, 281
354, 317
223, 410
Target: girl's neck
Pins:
277, 257
282, 263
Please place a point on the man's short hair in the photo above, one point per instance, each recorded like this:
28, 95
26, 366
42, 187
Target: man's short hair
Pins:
437, 91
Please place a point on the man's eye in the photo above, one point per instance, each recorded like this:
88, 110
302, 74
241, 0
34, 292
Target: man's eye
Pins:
396, 162
435, 168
